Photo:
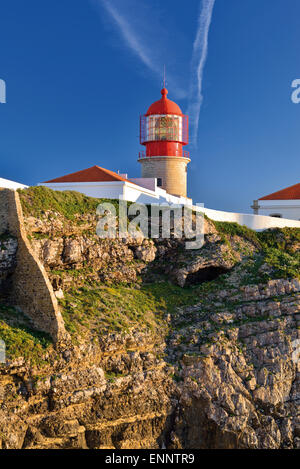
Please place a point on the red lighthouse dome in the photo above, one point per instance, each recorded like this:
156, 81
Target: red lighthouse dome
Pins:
164, 128
164, 106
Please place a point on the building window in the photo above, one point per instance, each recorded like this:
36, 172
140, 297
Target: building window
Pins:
159, 182
276, 215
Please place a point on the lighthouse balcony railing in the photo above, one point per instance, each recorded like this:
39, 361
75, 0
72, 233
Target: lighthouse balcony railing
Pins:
184, 154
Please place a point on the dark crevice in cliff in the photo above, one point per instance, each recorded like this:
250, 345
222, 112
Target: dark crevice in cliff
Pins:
205, 275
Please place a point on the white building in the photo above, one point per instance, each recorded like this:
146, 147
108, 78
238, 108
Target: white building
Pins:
281, 204
105, 184
7, 184
102, 183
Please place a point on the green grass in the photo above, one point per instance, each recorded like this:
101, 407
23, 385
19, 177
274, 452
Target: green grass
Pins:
97, 308
37, 200
234, 229
280, 238
285, 265
251, 273
277, 249
112, 376
21, 340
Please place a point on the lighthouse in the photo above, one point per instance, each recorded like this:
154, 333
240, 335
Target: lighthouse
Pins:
164, 133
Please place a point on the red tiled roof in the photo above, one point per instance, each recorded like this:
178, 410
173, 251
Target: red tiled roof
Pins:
290, 193
93, 174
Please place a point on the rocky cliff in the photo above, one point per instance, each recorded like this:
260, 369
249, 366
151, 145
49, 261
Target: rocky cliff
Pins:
167, 348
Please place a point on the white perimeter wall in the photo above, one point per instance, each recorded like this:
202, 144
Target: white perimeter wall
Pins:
11, 184
255, 222
118, 189
105, 190
134, 193
146, 196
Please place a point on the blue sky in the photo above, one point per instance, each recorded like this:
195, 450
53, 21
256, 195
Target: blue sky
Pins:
80, 72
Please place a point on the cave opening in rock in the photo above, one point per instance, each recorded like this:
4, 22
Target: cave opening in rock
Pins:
205, 275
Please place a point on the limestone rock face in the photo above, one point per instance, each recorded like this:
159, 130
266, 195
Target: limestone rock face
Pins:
66, 245
146, 252
225, 378
116, 394
205, 265
220, 371
69, 246
214, 259
240, 386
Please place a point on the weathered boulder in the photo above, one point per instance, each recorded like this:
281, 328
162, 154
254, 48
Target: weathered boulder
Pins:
146, 252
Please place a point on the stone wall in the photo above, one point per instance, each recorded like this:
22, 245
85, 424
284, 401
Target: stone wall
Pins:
8, 251
30, 288
171, 169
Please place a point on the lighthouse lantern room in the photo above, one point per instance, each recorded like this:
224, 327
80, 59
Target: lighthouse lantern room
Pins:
164, 132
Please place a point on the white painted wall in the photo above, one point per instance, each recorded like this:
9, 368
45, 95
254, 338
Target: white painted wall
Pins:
7, 184
105, 190
132, 192
119, 189
286, 208
255, 222
147, 196
148, 183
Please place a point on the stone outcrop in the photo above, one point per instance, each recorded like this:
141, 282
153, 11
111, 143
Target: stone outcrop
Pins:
214, 259
240, 377
225, 378
118, 394
118, 260
220, 370
205, 265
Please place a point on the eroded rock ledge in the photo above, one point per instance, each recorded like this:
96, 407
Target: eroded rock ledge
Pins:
226, 378
211, 363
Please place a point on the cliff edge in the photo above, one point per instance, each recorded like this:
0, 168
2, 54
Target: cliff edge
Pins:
166, 348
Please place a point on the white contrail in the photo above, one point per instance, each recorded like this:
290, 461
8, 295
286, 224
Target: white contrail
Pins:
199, 56
129, 36
137, 44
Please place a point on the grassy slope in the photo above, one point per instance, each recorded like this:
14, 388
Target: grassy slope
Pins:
37, 200
110, 308
20, 338
276, 247
99, 308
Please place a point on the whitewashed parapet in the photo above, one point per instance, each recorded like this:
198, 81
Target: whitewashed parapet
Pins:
255, 222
